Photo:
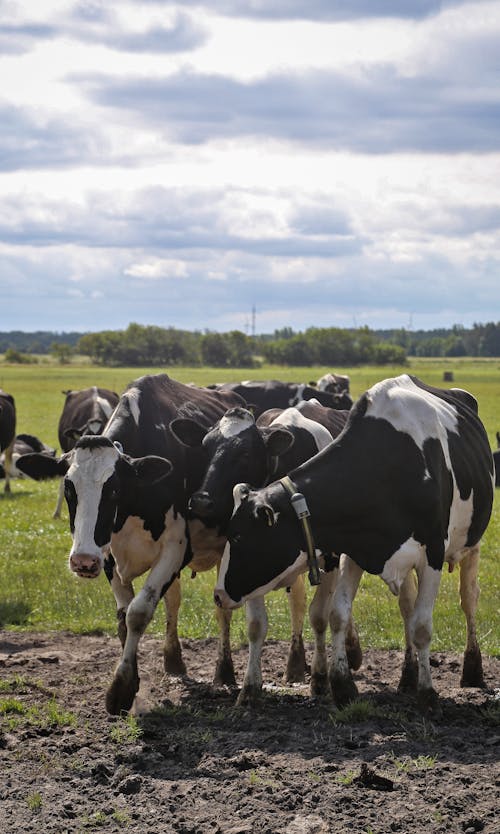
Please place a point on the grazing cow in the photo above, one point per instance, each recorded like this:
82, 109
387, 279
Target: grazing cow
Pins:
7, 432
85, 411
407, 485
23, 444
334, 383
260, 396
240, 449
127, 492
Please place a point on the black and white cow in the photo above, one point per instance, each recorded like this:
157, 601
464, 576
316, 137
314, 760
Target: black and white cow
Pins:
407, 485
24, 444
85, 411
334, 383
7, 432
260, 396
127, 492
242, 449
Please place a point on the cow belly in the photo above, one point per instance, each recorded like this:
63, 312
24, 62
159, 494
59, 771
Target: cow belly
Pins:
134, 549
207, 546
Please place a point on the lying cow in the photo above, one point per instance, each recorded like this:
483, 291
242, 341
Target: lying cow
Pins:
127, 492
260, 396
24, 444
238, 448
7, 432
408, 485
85, 411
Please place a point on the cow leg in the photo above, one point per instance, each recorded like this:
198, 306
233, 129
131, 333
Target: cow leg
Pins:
224, 670
296, 661
256, 616
406, 599
123, 595
8, 465
319, 612
472, 673
172, 652
420, 629
342, 684
125, 684
60, 496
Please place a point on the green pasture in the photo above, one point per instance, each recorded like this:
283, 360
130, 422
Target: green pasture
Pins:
38, 592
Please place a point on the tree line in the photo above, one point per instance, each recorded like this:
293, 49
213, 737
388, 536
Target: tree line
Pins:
140, 345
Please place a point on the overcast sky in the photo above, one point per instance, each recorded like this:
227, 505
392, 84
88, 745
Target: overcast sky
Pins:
328, 162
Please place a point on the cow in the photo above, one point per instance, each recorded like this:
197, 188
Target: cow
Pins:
260, 396
23, 444
406, 486
334, 383
240, 448
127, 492
85, 411
7, 432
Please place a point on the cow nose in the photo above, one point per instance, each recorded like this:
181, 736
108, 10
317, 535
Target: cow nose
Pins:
201, 503
85, 565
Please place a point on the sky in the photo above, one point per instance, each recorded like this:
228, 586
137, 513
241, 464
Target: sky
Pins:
249, 164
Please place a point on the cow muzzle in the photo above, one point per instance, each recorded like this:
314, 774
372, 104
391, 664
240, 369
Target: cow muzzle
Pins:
85, 565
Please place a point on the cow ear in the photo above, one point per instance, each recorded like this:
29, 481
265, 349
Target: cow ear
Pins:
188, 431
41, 467
151, 469
73, 433
277, 440
240, 493
265, 513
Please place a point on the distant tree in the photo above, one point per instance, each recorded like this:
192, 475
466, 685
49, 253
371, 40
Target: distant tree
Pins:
16, 357
62, 352
215, 350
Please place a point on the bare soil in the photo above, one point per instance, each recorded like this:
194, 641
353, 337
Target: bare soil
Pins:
190, 761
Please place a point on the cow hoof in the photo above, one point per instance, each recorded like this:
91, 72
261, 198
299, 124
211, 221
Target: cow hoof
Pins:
224, 673
409, 674
472, 672
320, 687
296, 663
250, 696
354, 656
173, 662
428, 702
344, 690
120, 695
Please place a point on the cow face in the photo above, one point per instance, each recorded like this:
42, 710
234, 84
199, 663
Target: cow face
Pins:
99, 478
263, 551
237, 451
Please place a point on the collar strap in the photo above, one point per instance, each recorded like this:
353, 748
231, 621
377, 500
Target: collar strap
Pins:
299, 504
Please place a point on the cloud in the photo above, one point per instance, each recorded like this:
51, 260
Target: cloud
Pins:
319, 10
377, 111
19, 38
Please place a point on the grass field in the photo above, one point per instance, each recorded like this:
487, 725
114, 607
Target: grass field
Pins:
39, 593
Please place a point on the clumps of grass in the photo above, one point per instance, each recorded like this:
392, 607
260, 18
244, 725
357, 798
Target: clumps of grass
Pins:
16, 713
34, 801
357, 712
346, 778
419, 763
126, 730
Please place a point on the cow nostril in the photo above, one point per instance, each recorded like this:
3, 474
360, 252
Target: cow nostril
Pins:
217, 599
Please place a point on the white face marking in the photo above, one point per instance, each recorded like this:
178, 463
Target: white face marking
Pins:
413, 411
230, 426
133, 396
294, 417
89, 470
105, 406
298, 396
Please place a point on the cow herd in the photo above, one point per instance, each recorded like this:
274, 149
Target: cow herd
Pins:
271, 482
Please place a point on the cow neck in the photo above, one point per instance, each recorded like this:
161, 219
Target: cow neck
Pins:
301, 509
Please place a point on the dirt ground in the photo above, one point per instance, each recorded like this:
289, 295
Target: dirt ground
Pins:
189, 761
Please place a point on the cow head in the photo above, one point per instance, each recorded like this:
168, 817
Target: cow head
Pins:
263, 551
237, 450
98, 479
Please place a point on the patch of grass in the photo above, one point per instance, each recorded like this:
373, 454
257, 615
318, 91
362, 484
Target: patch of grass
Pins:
346, 778
358, 712
126, 730
420, 763
50, 715
34, 802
